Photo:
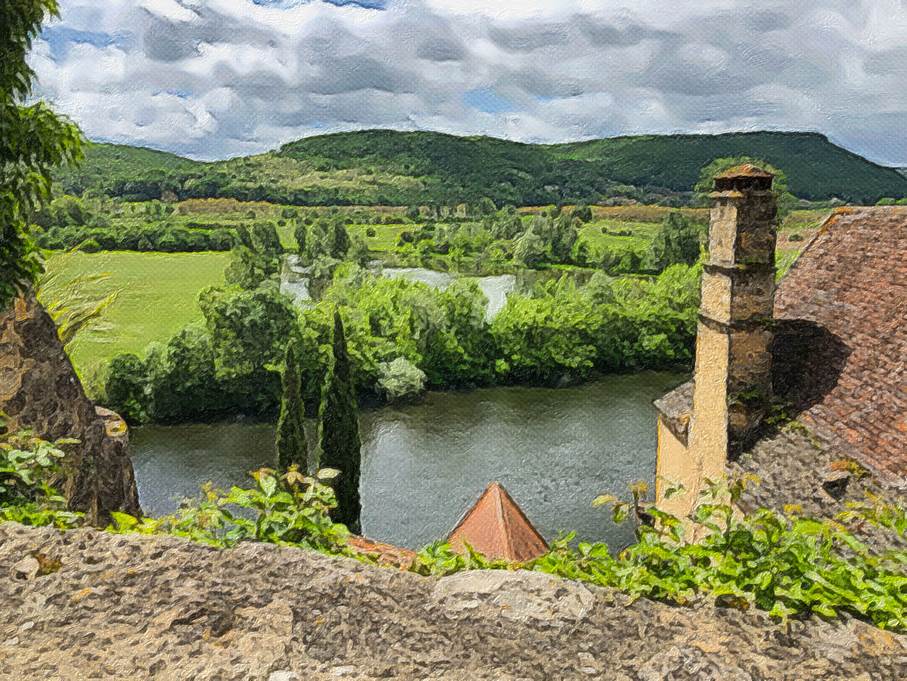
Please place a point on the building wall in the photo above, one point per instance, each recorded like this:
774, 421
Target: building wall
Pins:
674, 466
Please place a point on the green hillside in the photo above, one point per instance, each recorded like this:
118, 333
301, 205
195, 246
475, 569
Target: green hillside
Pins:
816, 168
376, 167
115, 169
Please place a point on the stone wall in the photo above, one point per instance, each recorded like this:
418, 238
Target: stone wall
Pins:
88, 604
39, 390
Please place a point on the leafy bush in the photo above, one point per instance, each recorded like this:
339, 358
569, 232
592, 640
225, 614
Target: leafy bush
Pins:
784, 564
565, 331
288, 509
400, 380
678, 240
28, 468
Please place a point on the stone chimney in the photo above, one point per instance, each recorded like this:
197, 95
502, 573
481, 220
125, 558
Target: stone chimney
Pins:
733, 374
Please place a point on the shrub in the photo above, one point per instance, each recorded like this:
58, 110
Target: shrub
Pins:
400, 380
288, 509
28, 468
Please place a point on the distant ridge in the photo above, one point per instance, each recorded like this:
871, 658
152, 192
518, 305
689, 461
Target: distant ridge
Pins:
373, 167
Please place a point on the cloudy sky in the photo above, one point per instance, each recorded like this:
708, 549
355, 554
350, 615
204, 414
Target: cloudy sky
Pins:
218, 78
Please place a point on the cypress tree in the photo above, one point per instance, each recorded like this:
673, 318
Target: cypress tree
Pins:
292, 447
301, 232
340, 443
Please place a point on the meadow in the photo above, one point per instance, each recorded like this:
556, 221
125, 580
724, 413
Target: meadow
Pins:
156, 297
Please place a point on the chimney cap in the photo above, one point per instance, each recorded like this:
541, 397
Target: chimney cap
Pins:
744, 170
743, 179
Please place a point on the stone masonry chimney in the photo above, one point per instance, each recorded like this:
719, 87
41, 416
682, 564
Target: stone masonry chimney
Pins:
733, 374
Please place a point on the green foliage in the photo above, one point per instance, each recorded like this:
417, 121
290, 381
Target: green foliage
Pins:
439, 560
289, 509
529, 249
28, 468
582, 212
158, 237
183, 383
385, 167
606, 326
207, 371
339, 430
678, 240
301, 235
255, 257
124, 387
443, 333
784, 564
33, 142
400, 380
291, 444
249, 328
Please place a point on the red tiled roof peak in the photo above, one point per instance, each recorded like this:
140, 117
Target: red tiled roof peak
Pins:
497, 528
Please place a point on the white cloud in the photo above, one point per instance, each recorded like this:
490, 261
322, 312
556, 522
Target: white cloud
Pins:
213, 78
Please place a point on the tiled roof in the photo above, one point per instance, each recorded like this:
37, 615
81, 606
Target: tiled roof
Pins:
841, 346
675, 408
497, 528
385, 554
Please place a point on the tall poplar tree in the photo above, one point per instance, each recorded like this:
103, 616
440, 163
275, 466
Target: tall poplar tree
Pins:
292, 447
340, 442
33, 141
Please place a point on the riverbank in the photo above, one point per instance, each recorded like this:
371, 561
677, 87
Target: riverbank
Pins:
140, 607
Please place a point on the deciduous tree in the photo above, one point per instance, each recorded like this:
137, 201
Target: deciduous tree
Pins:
33, 141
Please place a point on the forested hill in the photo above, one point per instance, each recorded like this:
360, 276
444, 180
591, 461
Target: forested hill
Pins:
399, 168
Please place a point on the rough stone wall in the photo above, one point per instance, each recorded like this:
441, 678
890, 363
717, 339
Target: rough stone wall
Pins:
39, 390
87, 604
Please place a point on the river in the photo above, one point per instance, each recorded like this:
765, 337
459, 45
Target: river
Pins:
424, 464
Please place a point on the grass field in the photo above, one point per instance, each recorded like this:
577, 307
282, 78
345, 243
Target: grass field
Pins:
156, 297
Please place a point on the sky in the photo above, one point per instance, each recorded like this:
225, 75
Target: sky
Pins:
213, 79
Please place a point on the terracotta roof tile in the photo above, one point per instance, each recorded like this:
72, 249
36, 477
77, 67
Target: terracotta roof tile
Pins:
497, 528
842, 336
386, 554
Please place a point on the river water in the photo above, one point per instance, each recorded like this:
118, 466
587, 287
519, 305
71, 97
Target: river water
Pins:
423, 465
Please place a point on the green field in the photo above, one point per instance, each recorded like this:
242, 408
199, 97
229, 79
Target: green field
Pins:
156, 297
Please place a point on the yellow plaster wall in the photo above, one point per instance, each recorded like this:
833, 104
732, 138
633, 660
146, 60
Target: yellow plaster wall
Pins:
674, 467
708, 439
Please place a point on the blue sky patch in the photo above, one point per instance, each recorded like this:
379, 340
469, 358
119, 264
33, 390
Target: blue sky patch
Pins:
487, 100
62, 38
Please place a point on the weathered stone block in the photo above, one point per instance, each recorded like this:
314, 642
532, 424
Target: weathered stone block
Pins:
40, 390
